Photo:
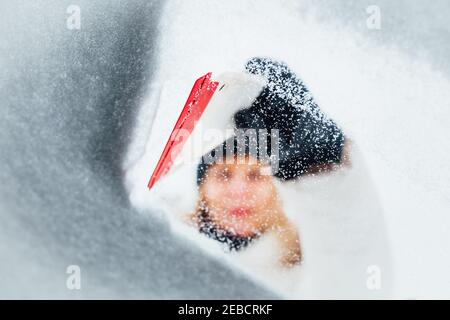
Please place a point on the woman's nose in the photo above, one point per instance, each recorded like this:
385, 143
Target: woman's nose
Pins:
238, 186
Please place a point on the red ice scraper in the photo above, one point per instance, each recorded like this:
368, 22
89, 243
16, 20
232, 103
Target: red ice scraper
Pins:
198, 99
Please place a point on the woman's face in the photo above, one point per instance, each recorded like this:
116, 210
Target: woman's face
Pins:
240, 198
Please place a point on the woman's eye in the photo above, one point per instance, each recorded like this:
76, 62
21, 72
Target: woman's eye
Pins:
224, 175
254, 175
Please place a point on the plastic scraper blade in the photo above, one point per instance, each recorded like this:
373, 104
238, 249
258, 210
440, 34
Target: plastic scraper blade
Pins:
198, 100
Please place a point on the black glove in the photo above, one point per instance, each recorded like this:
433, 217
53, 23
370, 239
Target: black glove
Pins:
308, 138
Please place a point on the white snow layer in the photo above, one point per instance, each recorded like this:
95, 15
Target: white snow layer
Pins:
389, 209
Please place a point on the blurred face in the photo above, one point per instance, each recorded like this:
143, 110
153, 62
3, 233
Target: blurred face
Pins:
240, 198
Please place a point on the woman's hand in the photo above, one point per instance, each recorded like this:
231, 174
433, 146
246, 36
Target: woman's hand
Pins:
287, 234
308, 138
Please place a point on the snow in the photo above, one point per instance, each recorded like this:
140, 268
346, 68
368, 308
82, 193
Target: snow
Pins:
70, 100
392, 105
